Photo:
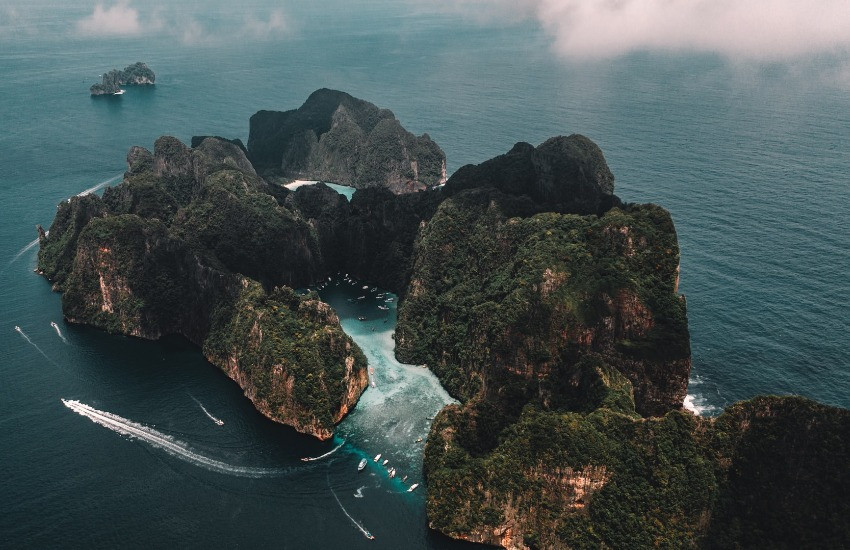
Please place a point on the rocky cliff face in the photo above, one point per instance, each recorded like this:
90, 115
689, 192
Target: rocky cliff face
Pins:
768, 473
497, 300
290, 356
371, 237
171, 250
336, 137
565, 339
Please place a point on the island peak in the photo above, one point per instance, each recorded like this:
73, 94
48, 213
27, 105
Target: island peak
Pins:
137, 74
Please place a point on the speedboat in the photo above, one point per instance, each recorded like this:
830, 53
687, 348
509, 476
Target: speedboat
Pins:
119, 92
219, 422
365, 287
392, 473
361, 465
384, 463
369, 535
377, 457
413, 487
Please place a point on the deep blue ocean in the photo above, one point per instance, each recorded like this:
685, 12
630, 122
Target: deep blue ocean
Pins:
751, 159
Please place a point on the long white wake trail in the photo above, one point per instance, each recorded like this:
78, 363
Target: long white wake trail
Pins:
327, 454
24, 250
357, 524
58, 332
165, 442
33, 344
218, 421
99, 186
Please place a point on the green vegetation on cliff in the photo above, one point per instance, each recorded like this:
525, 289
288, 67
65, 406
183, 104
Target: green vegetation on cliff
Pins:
521, 299
134, 269
769, 473
170, 251
57, 249
292, 354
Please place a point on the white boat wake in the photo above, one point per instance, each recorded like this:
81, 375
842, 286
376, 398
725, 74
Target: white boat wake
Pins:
23, 251
359, 493
327, 454
33, 344
58, 332
167, 443
99, 186
218, 421
357, 524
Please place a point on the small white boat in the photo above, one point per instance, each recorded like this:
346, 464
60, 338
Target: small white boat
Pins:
404, 479
377, 457
219, 422
413, 487
365, 287
119, 92
383, 308
392, 473
385, 462
419, 440
388, 300
361, 465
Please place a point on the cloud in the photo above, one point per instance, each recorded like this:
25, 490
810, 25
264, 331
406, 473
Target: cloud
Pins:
276, 25
750, 29
117, 20
194, 33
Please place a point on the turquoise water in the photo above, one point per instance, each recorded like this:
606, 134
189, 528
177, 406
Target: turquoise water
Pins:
751, 160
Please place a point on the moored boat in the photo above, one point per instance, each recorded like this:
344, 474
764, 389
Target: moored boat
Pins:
413, 487
361, 465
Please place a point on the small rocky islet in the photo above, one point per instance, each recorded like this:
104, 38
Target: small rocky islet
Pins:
544, 303
137, 74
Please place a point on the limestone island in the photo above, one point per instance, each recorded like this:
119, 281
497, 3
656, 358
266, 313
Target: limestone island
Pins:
137, 74
544, 303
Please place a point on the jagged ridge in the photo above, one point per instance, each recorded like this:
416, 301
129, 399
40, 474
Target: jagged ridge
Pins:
339, 138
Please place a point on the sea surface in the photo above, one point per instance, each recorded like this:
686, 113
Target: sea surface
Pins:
751, 159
